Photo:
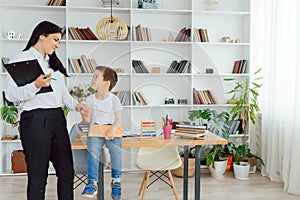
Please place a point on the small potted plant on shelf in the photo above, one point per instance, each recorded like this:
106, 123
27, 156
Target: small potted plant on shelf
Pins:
244, 96
241, 166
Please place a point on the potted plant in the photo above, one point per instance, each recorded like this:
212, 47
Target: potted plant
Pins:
10, 115
179, 172
241, 153
244, 96
216, 158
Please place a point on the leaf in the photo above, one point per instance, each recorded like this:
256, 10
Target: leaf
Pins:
9, 114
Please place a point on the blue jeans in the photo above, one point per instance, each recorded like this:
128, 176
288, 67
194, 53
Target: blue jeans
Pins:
95, 145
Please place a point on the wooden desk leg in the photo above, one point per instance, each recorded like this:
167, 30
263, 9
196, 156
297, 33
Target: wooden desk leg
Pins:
185, 172
197, 173
100, 181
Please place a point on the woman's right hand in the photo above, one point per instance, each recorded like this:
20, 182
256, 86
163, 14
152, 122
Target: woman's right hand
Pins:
41, 81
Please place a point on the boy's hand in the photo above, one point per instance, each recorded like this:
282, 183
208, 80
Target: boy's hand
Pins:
110, 135
85, 111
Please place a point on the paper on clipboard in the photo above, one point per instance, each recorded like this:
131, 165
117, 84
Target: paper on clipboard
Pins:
99, 130
26, 72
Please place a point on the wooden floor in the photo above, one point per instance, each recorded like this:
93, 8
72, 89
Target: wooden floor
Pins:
258, 187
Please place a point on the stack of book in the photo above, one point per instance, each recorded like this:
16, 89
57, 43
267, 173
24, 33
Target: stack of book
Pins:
204, 97
82, 64
140, 33
191, 131
56, 3
239, 67
138, 98
201, 35
82, 33
124, 96
235, 127
179, 67
183, 35
139, 66
84, 128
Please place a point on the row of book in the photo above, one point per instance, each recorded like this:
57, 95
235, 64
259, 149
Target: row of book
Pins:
235, 127
82, 64
82, 33
124, 96
56, 3
138, 98
204, 97
184, 35
140, 33
182, 66
139, 66
191, 131
239, 67
201, 35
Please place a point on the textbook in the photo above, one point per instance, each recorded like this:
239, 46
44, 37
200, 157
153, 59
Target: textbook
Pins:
98, 130
26, 72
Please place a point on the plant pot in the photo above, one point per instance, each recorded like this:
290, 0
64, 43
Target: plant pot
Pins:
252, 162
241, 171
179, 172
220, 168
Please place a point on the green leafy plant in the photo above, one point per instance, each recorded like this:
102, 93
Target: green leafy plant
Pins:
10, 114
242, 152
218, 124
244, 95
65, 110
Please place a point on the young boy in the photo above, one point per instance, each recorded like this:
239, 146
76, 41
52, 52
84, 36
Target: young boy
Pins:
103, 107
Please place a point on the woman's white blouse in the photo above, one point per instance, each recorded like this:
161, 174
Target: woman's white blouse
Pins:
26, 94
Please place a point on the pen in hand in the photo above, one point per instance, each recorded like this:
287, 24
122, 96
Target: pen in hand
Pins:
45, 76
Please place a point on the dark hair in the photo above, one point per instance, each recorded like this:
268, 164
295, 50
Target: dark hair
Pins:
108, 75
45, 28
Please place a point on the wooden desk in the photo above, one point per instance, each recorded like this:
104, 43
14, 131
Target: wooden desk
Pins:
134, 142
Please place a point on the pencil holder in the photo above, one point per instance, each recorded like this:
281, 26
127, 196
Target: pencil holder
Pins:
167, 132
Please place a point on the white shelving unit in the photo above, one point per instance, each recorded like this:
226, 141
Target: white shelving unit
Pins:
231, 18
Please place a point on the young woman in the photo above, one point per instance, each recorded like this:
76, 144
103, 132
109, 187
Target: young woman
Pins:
44, 134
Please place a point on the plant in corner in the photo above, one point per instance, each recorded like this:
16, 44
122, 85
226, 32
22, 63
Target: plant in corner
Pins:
244, 96
241, 154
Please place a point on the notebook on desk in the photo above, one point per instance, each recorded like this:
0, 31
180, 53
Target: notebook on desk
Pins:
26, 72
99, 130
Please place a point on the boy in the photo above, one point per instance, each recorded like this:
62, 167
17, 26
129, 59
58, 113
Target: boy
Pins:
103, 107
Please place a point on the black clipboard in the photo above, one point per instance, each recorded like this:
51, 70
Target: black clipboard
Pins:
25, 72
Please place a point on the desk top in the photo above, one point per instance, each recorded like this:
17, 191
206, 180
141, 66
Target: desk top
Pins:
133, 142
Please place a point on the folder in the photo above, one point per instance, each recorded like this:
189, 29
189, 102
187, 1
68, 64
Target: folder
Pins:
25, 72
98, 130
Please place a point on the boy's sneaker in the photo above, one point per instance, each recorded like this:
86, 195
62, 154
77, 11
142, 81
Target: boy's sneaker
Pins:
116, 191
90, 191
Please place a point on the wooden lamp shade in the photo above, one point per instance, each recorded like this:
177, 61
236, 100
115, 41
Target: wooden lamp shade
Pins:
112, 28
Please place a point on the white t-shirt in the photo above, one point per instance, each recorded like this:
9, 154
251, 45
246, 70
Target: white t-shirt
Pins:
103, 110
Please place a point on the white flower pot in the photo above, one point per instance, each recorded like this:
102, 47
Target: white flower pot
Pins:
220, 168
241, 171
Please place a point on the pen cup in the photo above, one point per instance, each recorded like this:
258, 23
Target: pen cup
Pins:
167, 132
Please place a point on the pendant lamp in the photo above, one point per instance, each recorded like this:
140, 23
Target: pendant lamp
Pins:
111, 28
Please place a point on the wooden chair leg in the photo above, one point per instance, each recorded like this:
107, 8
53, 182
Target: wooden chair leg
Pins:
143, 183
173, 185
146, 184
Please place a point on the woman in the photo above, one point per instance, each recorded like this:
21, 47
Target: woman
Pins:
44, 134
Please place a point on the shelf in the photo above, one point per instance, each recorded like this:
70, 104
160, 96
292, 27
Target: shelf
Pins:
11, 141
160, 11
161, 74
234, 13
98, 9
237, 136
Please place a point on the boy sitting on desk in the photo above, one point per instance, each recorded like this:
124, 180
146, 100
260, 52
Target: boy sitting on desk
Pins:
103, 107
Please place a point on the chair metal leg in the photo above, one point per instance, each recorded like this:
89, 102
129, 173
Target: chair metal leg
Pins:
173, 185
143, 183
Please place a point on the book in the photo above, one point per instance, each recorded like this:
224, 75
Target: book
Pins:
199, 136
99, 130
26, 72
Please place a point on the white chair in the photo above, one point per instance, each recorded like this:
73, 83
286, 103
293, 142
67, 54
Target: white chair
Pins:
155, 160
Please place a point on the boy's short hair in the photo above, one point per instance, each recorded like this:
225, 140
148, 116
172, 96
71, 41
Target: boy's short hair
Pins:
108, 75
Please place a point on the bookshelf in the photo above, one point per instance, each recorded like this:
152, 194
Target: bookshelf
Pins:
231, 18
